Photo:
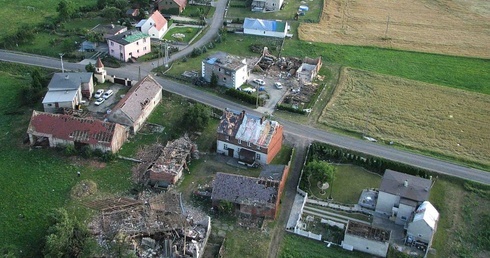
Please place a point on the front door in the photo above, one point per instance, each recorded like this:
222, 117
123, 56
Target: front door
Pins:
230, 152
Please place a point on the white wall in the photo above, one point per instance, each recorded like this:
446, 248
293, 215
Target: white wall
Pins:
265, 33
421, 228
241, 76
221, 149
404, 211
386, 202
367, 246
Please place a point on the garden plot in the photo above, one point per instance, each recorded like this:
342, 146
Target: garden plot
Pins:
423, 116
452, 27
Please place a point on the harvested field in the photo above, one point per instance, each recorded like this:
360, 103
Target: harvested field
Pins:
424, 116
452, 27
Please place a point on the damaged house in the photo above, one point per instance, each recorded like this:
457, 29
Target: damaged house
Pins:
168, 168
252, 196
231, 70
365, 238
56, 130
249, 138
133, 110
309, 69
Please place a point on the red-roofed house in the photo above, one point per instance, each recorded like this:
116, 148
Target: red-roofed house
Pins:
63, 130
133, 110
171, 6
156, 25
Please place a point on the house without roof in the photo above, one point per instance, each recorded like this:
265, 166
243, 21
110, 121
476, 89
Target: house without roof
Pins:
252, 196
266, 5
249, 138
133, 110
66, 90
267, 28
309, 69
109, 30
423, 225
365, 238
128, 45
56, 130
400, 194
231, 70
171, 6
156, 25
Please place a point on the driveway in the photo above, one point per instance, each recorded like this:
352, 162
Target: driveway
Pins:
119, 92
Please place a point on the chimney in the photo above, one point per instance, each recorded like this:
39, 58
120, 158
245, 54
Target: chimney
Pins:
67, 77
405, 183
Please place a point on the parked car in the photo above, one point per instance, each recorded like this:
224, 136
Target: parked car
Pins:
249, 90
99, 101
99, 93
259, 82
107, 94
278, 85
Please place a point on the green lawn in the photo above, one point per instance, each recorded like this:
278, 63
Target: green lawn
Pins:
458, 72
294, 246
246, 243
189, 33
349, 181
236, 11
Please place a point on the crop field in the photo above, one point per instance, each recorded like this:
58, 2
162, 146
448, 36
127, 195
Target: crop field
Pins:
423, 116
452, 27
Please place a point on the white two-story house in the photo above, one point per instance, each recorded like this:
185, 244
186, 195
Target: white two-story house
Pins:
231, 70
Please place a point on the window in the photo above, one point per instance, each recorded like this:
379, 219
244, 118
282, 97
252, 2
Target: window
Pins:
224, 79
112, 43
404, 218
219, 69
225, 146
144, 48
112, 50
144, 40
137, 51
137, 43
420, 235
257, 156
49, 105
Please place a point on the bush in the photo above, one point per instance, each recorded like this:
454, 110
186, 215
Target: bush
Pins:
290, 109
251, 99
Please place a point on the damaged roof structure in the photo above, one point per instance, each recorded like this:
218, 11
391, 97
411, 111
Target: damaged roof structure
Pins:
365, 238
153, 226
62, 130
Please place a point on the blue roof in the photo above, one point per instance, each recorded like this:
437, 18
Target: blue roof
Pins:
212, 60
267, 25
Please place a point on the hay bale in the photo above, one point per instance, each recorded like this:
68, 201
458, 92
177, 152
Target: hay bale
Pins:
83, 188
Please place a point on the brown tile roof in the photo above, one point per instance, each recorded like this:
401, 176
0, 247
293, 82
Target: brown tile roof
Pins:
66, 127
242, 189
99, 63
133, 102
181, 3
417, 188
160, 21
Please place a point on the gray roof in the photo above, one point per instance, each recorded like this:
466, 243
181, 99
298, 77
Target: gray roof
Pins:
272, 172
110, 29
242, 189
226, 61
417, 188
60, 96
138, 96
68, 81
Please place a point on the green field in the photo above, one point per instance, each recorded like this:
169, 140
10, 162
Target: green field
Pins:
457, 72
238, 10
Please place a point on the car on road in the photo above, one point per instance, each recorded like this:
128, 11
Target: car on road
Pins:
99, 93
108, 94
278, 85
249, 90
99, 101
259, 82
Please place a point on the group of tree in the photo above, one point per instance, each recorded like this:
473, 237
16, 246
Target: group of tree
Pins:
196, 117
32, 93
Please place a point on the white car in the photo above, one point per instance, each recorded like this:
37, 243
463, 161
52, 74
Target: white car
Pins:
108, 94
249, 90
278, 85
259, 82
99, 101
99, 93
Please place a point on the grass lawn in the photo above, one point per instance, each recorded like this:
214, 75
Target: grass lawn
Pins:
294, 246
21, 11
246, 243
313, 15
457, 72
349, 181
189, 33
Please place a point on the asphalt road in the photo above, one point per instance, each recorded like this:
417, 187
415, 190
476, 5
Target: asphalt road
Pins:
291, 129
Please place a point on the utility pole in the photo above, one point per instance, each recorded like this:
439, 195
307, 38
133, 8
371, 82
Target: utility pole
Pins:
387, 25
139, 73
159, 51
165, 62
62, 68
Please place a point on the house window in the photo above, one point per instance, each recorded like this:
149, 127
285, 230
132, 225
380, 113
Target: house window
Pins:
112, 43
225, 146
137, 51
49, 105
144, 40
137, 43
420, 235
404, 218
224, 79
112, 50
219, 69
257, 156
144, 48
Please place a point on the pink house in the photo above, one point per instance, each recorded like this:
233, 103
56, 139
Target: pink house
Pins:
128, 45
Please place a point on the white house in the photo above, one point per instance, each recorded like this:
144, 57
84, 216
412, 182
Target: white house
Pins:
249, 138
266, 5
268, 28
129, 44
65, 90
156, 25
423, 225
231, 70
399, 195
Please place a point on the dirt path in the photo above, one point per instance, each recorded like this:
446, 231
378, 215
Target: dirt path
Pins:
278, 232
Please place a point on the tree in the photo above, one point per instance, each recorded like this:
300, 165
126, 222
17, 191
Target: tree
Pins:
196, 118
101, 4
37, 79
214, 80
65, 9
66, 236
111, 13
90, 68
320, 171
